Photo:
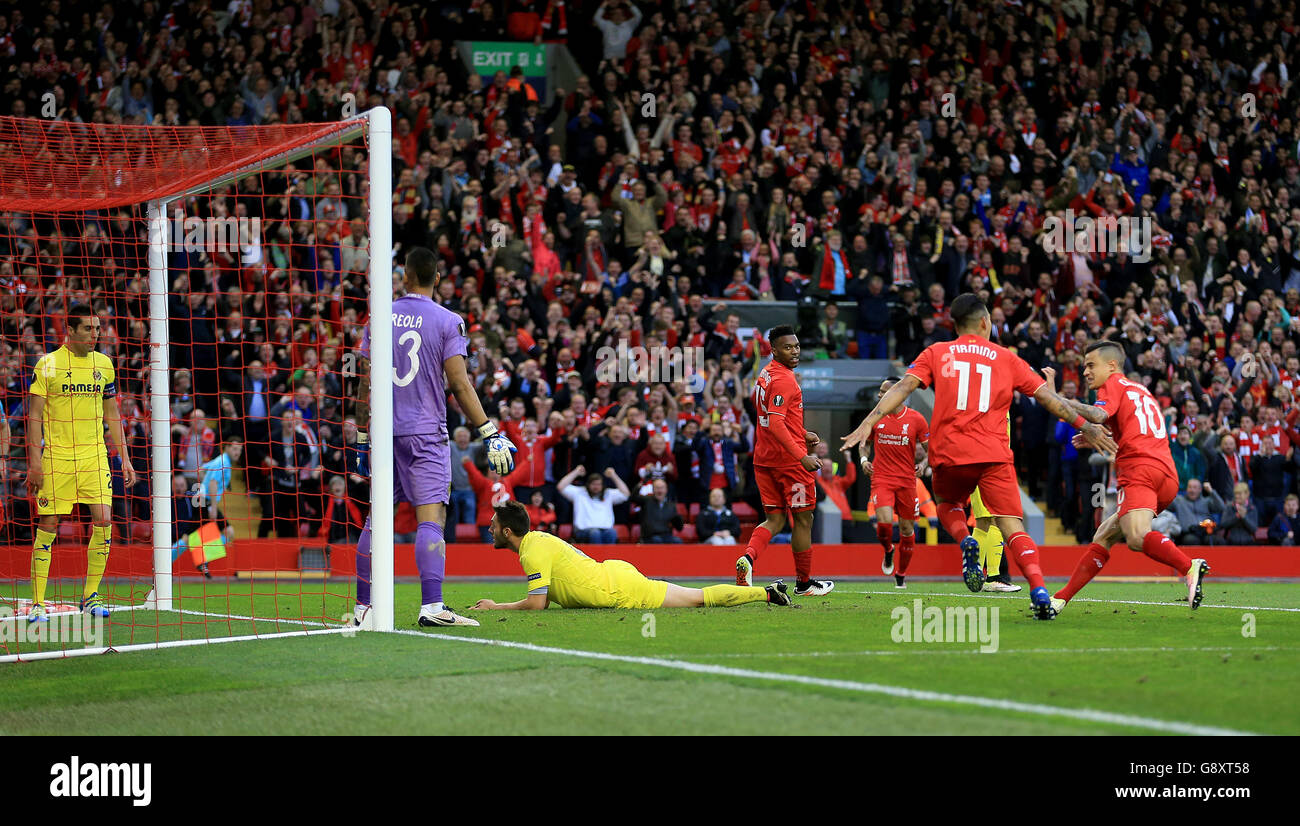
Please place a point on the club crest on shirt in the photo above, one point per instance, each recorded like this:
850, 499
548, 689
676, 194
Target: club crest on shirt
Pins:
905, 425
44, 501
98, 376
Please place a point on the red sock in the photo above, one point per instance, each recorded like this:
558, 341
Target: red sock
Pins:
953, 519
757, 543
1090, 564
803, 566
905, 546
1160, 548
1025, 553
885, 532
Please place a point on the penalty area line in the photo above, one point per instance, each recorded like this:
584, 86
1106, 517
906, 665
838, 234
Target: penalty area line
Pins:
1183, 603
1038, 709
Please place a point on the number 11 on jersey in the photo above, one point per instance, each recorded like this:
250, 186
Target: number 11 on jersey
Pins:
984, 373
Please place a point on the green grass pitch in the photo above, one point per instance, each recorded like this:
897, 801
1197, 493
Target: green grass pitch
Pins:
831, 661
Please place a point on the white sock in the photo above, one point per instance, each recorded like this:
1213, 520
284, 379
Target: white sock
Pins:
434, 607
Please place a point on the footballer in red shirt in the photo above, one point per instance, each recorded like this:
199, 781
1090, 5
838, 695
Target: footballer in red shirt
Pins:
896, 456
974, 381
1147, 478
784, 465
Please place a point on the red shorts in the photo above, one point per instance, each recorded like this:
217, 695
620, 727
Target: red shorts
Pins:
786, 488
898, 495
1145, 486
996, 481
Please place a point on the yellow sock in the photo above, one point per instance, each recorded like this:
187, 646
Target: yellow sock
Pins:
981, 536
991, 550
729, 596
42, 553
97, 557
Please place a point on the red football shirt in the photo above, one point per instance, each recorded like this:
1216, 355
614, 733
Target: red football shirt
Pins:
779, 402
895, 439
973, 381
1137, 424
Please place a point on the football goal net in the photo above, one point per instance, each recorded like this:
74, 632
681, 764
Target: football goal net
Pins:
181, 313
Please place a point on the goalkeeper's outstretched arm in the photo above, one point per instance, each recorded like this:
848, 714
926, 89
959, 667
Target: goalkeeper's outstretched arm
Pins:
500, 450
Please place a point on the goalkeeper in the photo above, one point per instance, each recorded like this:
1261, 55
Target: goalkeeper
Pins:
428, 339
560, 573
73, 395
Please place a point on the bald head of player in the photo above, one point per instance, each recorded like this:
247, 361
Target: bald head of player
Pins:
785, 345
83, 329
1102, 360
421, 271
970, 317
509, 524
885, 385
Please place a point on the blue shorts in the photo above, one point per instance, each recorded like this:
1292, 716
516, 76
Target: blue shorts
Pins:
422, 469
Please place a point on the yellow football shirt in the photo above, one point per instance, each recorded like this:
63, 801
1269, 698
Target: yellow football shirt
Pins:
568, 576
74, 388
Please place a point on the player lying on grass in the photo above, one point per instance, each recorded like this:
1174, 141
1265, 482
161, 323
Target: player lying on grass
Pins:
1148, 479
974, 381
428, 361
784, 466
72, 396
560, 573
896, 457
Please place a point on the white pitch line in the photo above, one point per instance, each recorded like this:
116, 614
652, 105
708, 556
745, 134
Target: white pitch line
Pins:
1183, 603
1086, 714
154, 646
909, 653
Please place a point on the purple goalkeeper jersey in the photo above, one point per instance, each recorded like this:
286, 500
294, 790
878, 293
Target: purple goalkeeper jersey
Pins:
425, 335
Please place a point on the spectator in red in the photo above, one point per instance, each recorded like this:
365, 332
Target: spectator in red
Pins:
836, 486
530, 459
656, 462
342, 521
490, 490
541, 514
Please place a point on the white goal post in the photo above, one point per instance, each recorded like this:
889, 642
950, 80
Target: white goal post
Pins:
377, 126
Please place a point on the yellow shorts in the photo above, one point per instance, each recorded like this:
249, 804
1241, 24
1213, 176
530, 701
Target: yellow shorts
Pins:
69, 481
977, 508
631, 588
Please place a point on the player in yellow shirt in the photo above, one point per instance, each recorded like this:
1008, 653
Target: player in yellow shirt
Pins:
73, 394
560, 573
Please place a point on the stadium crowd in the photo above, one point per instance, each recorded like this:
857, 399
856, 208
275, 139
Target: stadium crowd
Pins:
878, 156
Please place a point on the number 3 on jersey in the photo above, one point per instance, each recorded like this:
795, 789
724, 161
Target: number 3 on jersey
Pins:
411, 341
983, 374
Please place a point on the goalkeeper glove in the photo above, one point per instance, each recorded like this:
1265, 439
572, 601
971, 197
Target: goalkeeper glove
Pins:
500, 450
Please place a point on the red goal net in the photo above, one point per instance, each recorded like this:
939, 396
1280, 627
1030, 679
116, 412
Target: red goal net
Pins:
178, 314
